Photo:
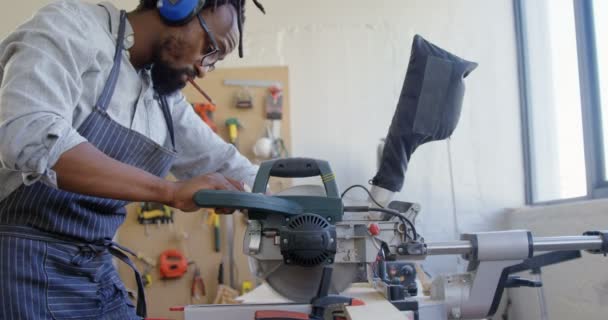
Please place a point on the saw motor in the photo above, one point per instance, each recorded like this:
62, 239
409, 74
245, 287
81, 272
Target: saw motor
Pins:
308, 240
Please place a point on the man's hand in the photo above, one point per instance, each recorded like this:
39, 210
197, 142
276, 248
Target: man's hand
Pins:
183, 191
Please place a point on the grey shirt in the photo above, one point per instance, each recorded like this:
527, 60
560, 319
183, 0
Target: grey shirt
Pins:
52, 71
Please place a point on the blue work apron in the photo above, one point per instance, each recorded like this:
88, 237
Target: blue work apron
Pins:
55, 246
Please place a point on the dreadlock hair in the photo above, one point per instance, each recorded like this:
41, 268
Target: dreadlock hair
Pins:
239, 6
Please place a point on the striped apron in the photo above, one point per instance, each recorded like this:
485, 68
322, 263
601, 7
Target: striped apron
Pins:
55, 246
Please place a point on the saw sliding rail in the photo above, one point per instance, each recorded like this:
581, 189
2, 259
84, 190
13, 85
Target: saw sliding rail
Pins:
540, 244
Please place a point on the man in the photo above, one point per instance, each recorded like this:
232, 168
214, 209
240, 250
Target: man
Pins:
91, 118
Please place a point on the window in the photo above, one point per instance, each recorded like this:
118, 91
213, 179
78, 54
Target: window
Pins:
600, 17
563, 49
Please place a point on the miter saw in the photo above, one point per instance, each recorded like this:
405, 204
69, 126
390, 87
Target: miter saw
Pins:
297, 237
293, 237
303, 229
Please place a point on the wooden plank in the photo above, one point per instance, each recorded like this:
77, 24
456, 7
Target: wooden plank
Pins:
376, 306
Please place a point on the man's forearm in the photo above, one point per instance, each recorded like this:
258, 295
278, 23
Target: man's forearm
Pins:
86, 170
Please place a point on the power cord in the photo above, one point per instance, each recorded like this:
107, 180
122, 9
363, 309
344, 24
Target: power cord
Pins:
387, 211
366, 190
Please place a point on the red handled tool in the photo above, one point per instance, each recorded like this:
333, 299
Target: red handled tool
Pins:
198, 286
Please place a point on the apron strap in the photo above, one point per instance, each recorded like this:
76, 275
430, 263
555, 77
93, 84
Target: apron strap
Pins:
141, 295
108, 89
168, 118
116, 250
110, 85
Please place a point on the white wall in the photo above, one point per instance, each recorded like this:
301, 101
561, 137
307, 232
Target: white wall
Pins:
347, 61
573, 290
22, 10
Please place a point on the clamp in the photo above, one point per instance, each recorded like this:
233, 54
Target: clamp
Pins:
604, 236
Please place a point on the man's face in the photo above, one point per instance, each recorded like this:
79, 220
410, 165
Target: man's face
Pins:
179, 55
167, 76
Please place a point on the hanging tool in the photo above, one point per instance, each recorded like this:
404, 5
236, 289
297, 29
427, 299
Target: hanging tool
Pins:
145, 259
198, 286
149, 266
173, 264
153, 213
205, 112
220, 274
225, 294
216, 232
213, 219
247, 286
244, 99
233, 125
263, 148
271, 145
146, 276
274, 103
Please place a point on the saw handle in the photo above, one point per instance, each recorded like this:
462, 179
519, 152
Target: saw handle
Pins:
296, 168
243, 200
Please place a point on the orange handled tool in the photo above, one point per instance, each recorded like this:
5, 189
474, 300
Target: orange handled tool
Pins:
205, 111
173, 264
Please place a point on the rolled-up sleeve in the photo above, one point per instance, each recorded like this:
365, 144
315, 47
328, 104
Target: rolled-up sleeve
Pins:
42, 64
201, 151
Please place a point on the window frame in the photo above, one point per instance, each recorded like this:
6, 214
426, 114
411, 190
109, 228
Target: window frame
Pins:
597, 184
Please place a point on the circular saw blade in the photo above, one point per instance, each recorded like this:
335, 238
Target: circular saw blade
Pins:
300, 284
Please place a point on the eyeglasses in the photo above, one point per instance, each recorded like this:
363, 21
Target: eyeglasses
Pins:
210, 58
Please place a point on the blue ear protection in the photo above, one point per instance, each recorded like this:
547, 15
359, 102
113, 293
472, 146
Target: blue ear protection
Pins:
179, 12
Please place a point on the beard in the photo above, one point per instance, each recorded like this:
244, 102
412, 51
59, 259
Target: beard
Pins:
167, 79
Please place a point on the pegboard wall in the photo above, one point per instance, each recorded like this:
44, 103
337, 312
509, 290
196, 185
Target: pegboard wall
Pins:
191, 233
